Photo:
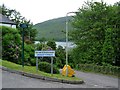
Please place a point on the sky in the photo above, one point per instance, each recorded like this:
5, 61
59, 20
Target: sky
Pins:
41, 10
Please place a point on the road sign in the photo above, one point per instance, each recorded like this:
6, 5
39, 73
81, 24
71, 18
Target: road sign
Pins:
50, 53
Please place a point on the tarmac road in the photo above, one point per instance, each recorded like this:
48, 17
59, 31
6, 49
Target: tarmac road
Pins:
99, 80
12, 80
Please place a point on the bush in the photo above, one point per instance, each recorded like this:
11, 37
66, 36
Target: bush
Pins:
28, 54
33, 62
46, 67
11, 42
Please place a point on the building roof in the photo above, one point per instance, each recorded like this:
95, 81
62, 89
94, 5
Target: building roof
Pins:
5, 20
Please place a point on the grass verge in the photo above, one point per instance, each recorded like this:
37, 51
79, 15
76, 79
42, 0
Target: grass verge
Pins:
32, 70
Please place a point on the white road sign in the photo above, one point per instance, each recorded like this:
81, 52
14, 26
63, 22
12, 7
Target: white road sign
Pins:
45, 53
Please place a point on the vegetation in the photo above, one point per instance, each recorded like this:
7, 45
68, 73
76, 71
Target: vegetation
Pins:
96, 33
105, 69
46, 67
11, 38
16, 17
29, 58
60, 57
10, 44
11, 47
32, 69
52, 44
52, 29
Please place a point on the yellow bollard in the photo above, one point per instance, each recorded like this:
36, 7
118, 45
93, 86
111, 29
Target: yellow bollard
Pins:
71, 72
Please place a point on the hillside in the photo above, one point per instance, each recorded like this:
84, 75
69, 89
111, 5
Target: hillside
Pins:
52, 29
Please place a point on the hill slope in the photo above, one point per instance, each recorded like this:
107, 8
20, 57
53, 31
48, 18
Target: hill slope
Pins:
52, 29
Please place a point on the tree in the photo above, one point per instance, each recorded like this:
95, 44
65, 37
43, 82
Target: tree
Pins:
108, 50
52, 44
42, 41
91, 24
15, 16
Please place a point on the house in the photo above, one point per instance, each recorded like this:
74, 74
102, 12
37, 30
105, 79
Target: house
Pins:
4, 21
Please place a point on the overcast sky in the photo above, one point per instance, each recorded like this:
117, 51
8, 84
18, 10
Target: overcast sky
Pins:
41, 10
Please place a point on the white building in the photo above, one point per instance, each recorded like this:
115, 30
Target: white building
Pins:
4, 21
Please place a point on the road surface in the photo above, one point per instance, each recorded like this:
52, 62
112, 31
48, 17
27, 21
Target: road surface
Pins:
98, 80
12, 80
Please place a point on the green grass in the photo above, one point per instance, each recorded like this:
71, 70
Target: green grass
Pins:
32, 69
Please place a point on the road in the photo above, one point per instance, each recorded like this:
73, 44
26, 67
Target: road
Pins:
98, 80
12, 80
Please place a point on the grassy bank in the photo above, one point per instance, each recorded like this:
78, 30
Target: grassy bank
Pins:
32, 69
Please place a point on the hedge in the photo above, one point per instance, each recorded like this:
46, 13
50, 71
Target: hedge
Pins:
111, 70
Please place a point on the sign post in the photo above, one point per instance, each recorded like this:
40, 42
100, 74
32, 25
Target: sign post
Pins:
37, 63
23, 26
50, 53
51, 65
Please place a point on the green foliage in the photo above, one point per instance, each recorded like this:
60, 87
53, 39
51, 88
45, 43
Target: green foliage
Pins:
46, 67
11, 47
29, 55
33, 62
105, 69
38, 46
108, 50
12, 39
11, 42
52, 44
52, 29
60, 57
96, 34
16, 17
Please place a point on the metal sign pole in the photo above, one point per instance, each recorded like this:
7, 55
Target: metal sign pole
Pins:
23, 48
23, 26
51, 65
37, 64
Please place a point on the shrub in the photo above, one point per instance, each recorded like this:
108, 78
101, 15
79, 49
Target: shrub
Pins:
29, 54
11, 42
46, 67
33, 62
